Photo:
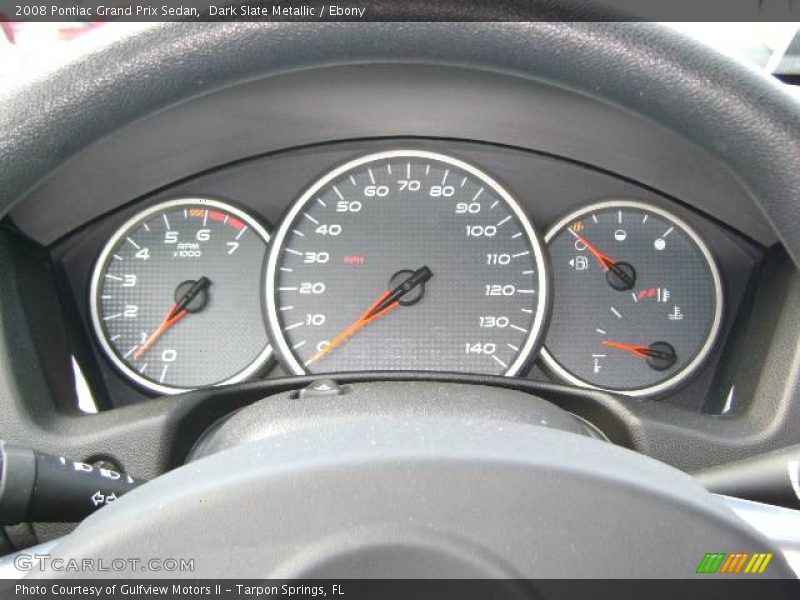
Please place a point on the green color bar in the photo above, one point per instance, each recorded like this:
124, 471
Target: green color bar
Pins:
711, 562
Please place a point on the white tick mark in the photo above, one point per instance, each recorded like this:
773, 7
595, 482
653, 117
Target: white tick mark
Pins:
499, 362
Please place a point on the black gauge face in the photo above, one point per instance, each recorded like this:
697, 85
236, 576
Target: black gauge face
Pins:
637, 299
406, 260
176, 300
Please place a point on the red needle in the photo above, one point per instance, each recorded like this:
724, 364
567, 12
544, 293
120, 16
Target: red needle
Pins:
173, 316
640, 351
388, 301
175, 313
606, 262
364, 319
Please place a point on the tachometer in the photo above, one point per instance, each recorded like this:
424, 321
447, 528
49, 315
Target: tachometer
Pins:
637, 299
406, 260
175, 296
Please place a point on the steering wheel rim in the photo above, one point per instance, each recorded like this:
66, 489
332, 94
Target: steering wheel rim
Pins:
742, 116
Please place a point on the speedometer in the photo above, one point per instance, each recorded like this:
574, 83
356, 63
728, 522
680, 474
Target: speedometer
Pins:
406, 260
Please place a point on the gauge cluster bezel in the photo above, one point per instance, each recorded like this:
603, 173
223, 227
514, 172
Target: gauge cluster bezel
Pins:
547, 187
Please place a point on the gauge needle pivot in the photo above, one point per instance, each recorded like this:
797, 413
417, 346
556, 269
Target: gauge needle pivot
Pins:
387, 302
175, 313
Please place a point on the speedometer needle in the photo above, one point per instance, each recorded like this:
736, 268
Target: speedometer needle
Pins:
175, 313
387, 302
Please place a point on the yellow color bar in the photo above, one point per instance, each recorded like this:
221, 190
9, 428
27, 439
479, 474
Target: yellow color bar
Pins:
758, 563
767, 558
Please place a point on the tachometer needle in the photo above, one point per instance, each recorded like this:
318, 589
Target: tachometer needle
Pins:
175, 313
387, 302
659, 355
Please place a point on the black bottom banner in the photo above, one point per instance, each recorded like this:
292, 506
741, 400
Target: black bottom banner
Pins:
411, 589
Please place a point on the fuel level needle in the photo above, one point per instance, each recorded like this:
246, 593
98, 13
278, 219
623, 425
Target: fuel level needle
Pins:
660, 356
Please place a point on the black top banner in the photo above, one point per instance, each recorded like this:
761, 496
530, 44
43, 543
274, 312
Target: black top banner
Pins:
401, 10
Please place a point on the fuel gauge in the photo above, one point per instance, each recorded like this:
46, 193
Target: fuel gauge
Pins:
637, 299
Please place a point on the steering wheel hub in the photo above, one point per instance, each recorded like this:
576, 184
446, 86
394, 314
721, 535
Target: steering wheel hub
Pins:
415, 488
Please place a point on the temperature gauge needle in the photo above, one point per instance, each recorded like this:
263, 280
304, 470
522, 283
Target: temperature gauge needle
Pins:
620, 275
606, 262
659, 355
175, 313
387, 302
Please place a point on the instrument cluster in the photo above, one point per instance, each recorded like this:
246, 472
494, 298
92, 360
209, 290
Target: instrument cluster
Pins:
407, 259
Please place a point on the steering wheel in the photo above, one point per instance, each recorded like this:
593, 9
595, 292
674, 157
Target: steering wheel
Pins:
431, 478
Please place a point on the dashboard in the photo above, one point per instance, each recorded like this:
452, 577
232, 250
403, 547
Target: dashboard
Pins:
407, 254
396, 219
711, 384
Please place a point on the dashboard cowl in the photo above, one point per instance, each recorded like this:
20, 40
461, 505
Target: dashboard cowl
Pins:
289, 412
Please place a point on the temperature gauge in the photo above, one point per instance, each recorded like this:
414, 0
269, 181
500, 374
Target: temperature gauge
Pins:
638, 299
